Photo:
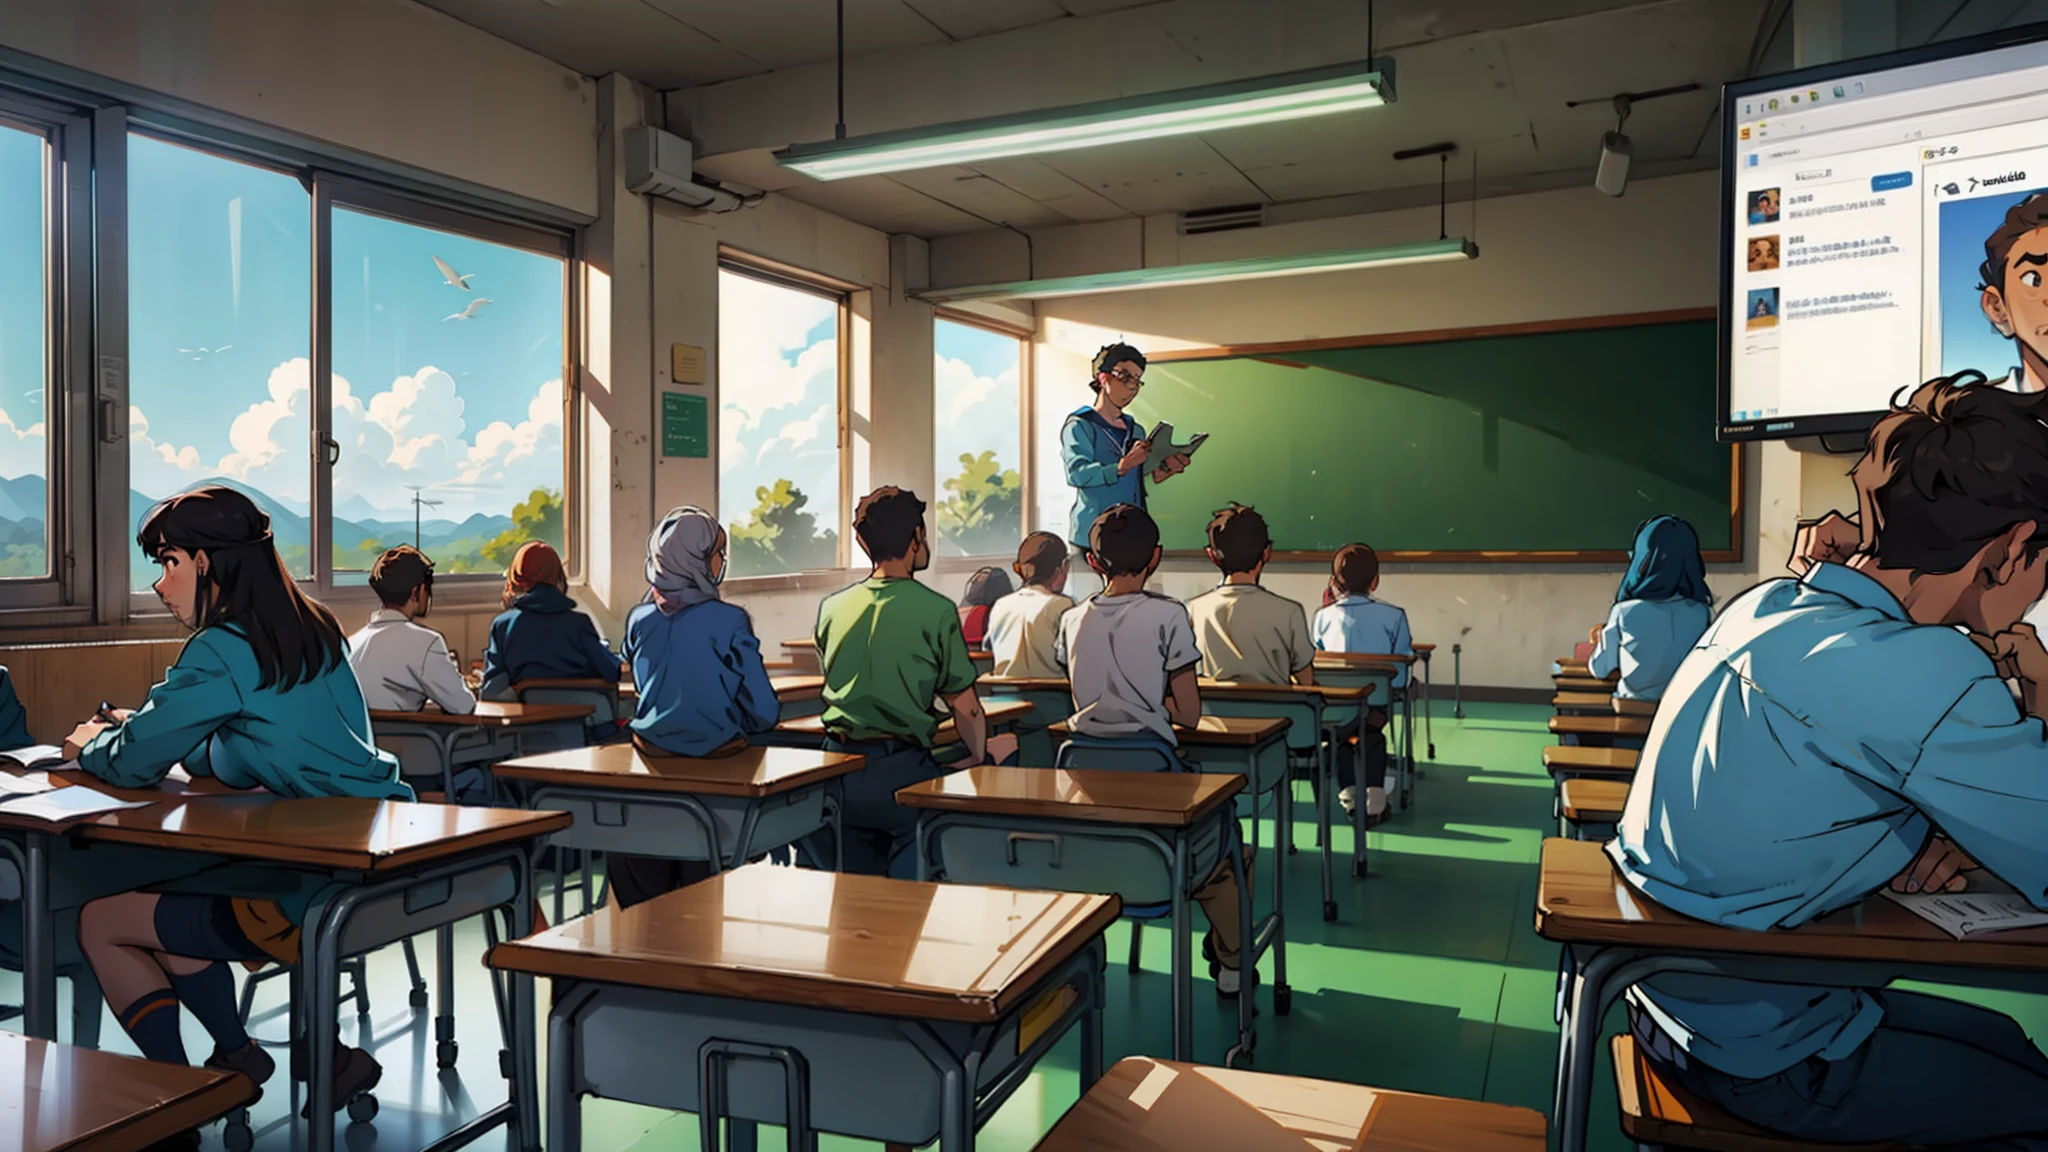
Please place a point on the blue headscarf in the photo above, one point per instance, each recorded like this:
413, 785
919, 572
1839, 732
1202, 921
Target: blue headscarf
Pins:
1665, 564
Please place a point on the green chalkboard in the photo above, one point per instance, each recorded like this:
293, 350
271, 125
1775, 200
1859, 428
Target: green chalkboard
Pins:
1546, 442
685, 425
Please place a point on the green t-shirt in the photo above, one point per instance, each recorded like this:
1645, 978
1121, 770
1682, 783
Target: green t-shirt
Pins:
888, 648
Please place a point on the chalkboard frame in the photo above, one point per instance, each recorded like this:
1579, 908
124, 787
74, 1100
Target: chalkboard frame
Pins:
1729, 555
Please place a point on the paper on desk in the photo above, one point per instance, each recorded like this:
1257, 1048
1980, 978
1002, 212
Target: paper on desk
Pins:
1963, 914
24, 783
61, 804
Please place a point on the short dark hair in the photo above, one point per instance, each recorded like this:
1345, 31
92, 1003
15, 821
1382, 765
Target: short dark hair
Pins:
1108, 357
1355, 567
1123, 539
985, 587
887, 522
1040, 556
398, 572
2024, 217
1947, 471
1239, 538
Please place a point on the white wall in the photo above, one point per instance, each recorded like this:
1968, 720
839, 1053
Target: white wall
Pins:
388, 77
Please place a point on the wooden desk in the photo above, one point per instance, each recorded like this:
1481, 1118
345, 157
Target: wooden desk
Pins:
1149, 837
1585, 802
1583, 684
1601, 730
1567, 760
384, 856
446, 729
1147, 1105
929, 981
1599, 703
803, 655
58, 1098
799, 694
1623, 706
1616, 936
1051, 697
724, 810
1573, 666
1391, 673
1003, 716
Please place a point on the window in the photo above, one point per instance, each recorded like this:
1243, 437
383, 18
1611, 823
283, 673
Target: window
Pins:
25, 353
447, 398
779, 372
977, 437
220, 301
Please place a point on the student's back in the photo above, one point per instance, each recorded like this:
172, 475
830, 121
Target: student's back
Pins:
700, 677
1119, 652
1352, 620
1660, 612
541, 634
1024, 627
1248, 633
888, 647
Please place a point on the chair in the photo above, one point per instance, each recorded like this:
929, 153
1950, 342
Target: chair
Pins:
1657, 1114
86, 997
1124, 756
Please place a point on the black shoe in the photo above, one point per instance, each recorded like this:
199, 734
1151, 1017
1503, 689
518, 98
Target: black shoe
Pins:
251, 1061
355, 1072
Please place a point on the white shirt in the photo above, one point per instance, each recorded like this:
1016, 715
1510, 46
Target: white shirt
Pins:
1024, 629
1645, 641
402, 665
1119, 653
1359, 623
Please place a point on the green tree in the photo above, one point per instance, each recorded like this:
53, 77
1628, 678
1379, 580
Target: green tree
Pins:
985, 511
780, 535
538, 517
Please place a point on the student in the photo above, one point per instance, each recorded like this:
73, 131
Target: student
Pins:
402, 664
1350, 620
703, 686
540, 634
984, 588
1659, 611
1866, 700
1024, 627
1131, 657
1247, 633
889, 646
261, 696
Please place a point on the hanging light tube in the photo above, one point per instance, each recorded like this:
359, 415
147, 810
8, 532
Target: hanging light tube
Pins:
1218, 272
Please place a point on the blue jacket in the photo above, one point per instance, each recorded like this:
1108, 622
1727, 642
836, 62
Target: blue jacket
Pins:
543, 636
1091, 448
700, 677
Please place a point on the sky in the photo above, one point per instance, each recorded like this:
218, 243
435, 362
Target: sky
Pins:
1967, 338
220, 303
975, 405
778, 371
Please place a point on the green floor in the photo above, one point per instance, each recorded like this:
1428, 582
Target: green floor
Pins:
1432, 978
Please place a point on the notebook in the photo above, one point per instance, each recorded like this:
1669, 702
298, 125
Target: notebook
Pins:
35, 796
35, 756
1163, 445
1987, 907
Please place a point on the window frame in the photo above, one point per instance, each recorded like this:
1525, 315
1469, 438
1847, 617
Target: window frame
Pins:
1027, 433
840, 294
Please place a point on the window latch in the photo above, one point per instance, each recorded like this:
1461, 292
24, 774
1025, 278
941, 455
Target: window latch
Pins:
113, 423
333, 447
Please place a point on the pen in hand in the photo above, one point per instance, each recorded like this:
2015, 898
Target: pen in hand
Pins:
107, 715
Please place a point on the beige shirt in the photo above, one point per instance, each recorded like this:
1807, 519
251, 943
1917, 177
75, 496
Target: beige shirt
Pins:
1249, 634
1023, 628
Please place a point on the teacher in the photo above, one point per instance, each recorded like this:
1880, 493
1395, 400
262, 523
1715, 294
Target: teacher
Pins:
1104, 447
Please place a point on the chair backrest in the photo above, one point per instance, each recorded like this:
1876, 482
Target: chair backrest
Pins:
601, 698
1302, 713
1117, 755
1655, 1111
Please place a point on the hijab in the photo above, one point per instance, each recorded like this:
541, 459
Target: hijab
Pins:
679, 560
1665, 564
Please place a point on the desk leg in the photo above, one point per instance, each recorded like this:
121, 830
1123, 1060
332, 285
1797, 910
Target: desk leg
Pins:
444, 991
1578, 1037
1326, 795
565, 1103
956, 1111
1247, 988
1360, 818
1284, 817
1183, 964
320, 979
1091, 1020
38, 946
525, 1085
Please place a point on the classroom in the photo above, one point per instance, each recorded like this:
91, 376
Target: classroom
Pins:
1569, 682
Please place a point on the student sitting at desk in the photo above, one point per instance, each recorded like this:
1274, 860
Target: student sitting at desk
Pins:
1131, 658
703, 686
1659, 612
984, 588
1024, 626
1248, 633
888, 646
1848, 729
1351, 620
261, 696
541, 634
402, 663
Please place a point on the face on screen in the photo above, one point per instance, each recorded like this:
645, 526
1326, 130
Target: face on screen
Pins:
2019, 307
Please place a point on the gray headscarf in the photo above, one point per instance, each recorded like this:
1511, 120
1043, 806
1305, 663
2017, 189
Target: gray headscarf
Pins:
679, 560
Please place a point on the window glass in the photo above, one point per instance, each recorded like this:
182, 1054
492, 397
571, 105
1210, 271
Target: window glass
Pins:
219, 338
447, 400
24, 352
977, 437
778, 425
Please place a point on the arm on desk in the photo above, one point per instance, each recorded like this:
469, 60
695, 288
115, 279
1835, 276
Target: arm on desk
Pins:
442, 681
1982, 778
197, 695
972, 723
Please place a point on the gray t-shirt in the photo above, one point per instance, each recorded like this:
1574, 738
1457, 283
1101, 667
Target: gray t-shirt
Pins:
1119, 653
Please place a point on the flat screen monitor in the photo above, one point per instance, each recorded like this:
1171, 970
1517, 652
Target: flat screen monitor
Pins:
1883, 224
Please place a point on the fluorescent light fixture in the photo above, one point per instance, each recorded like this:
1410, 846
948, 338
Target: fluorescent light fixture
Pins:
1262, 100
1219, 272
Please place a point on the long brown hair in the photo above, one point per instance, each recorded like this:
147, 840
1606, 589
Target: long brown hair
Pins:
296, 639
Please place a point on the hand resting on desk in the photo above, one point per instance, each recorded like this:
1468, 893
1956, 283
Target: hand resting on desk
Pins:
1938, 868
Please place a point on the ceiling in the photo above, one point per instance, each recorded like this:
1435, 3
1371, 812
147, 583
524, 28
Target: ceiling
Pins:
1494, 76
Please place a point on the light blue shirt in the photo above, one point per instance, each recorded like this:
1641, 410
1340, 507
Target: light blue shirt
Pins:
1802, 754
1089, 450
1645, 640
1362, 624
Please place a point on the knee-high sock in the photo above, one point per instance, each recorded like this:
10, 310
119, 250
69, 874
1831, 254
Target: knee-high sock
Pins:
152, 1022
210, 994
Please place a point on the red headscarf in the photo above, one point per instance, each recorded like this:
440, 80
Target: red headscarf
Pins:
533, 565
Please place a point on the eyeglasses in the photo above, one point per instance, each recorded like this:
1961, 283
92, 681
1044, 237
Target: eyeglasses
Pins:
1126, 377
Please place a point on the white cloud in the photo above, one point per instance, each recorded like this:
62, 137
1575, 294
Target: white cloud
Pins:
961, 390
22, 450
419, 411
158, 469
975, 414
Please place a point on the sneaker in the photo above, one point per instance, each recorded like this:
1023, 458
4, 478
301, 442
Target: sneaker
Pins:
1227, 981
251, 1061
355, 1072
1375, 802
1348, 797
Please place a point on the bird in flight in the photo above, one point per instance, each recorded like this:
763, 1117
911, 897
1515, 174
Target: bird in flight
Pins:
469, 312
448, 273
203, 352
